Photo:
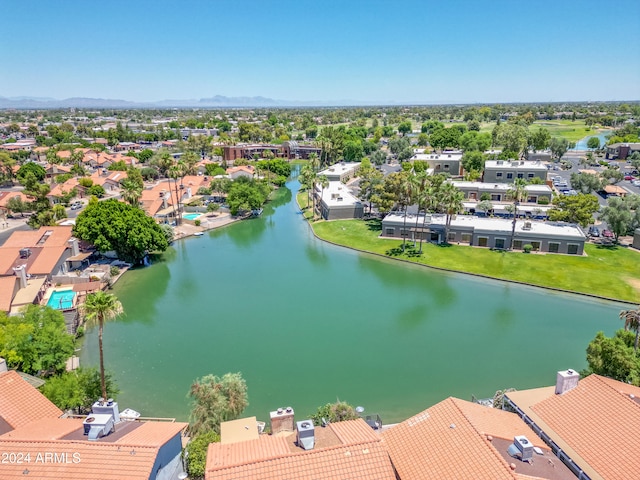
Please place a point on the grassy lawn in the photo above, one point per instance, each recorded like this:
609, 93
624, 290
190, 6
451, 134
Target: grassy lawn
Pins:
605, 271
571, 130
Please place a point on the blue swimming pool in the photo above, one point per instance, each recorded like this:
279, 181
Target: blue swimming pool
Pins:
191, 216
62, 299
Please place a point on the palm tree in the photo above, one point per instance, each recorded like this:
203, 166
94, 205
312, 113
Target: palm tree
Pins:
517, 193
131, 192
632, 322
101, 306
314, 161
323, 181
421, 196
405, 195
451, 198
176, 171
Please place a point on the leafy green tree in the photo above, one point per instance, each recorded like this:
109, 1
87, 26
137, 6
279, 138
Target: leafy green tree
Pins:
593, 143
397, 145
540, 139
474, 141
512, 137
404, 128
17, 205
168, 231
371, 184
574, 209
216, 400
196, 453
586, 182
473, 160
114, 225
35, 341
614, 357
618, 216
334, 412
6, 167
612, 176
78, 390
100, 307
246, 194
36, 170
559, 147
378, 157
96, 191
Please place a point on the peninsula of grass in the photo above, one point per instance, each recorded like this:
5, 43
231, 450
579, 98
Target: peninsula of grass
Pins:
606, 271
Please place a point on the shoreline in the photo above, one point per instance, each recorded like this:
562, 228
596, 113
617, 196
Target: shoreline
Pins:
477, 275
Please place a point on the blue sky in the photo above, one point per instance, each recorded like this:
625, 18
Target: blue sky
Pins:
399, 51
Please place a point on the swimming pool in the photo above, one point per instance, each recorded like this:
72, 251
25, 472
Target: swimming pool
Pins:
191, 216
61, 300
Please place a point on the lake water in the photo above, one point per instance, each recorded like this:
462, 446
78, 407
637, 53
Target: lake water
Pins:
307, 323
602, 136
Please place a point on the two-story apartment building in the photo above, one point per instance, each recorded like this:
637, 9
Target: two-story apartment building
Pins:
500, 171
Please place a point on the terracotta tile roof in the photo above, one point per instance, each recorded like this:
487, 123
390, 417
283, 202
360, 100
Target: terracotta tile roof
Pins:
44, 429
600, 422
6, 196
356, 452
366, 461
152, 434
7, 288
442, 442
58, 237
21, 404
78, 461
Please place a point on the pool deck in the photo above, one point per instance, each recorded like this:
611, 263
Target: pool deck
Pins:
208, 222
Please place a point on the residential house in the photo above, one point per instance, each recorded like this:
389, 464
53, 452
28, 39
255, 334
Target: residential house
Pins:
53, 170
350, 449
551, 237
33, 257
247, 171
445, 162
6, 196
620, 151
105, 445
499, 192
591, 423
341, 172
456, 439
336, 202
499, 171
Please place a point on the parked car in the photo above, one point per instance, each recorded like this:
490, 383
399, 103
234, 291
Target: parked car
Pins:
594, 231
635, 183
76, 206
629, 177
607, 234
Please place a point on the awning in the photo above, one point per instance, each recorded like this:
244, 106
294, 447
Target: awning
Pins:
79, 257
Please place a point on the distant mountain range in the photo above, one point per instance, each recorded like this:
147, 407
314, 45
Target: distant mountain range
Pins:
215, 101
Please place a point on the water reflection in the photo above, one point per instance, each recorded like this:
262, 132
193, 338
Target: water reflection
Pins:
155, 280
414, 316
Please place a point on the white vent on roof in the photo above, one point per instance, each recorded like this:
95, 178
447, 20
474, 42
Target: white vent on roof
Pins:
306, 434
98, 425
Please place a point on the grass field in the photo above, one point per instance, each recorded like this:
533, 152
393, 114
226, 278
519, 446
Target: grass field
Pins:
571, 130
610, 272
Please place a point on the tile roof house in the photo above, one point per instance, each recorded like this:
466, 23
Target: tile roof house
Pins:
247, 171
51, 447
594, 422
456, 439
344, 450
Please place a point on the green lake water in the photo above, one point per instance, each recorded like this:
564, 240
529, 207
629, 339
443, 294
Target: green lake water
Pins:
307, 323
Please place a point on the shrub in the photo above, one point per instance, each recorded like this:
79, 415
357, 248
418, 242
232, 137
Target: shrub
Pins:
527, 248
543, 201
114, 271
334, 412
195, 453
197, 223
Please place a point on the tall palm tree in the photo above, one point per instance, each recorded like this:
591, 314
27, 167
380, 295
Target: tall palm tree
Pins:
101, 306
451, 198
314, 161
419, 185
176, 171
323, 181
632, 322
405, 195
517, 192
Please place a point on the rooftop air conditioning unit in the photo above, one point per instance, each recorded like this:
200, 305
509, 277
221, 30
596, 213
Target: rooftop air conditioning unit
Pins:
527, 226
98, 425
25, 253
306, 434
107, 408
524, 446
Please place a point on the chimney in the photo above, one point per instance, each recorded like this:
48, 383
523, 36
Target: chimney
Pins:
75, 249
282, 420
21, 273
3, 365
566, 380
306, 434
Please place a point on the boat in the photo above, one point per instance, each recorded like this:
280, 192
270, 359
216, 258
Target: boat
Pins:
198, 234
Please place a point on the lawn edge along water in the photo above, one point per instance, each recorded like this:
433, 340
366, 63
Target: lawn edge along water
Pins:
597, 276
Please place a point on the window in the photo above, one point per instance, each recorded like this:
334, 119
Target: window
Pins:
482, 241
466, 238
495, 197
499, 243
529, 175
391, 231
446, 166
509, 176
451, 237
554, 247
404, 232
517, 244
536, 246
499, 174
521, 175
532, 199
572, 249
